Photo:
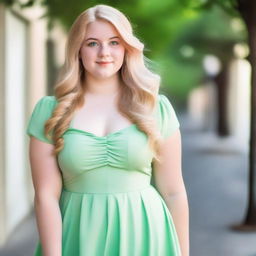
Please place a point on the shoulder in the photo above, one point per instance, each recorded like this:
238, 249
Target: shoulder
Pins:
46, 103
164, 104
166, 115
44, 107
41, 113
47, 100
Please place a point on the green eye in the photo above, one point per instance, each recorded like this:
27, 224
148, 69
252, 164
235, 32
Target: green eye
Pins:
114, 42
90, 44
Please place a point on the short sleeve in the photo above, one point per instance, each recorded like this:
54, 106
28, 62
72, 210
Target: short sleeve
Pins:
169, 122
41, 113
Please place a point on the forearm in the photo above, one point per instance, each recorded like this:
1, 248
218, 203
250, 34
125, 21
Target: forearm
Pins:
178, 206
49, 225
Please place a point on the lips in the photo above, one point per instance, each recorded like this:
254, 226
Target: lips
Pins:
104, 62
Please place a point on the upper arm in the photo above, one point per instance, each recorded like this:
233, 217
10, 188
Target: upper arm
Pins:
167, 174
46, 175
45, 171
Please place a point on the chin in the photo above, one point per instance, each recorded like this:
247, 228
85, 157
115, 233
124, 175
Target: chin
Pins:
105, 76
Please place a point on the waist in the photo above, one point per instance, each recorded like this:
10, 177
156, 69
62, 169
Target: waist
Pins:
107, 180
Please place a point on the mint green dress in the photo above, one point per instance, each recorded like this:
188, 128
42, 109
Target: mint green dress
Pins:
108, 204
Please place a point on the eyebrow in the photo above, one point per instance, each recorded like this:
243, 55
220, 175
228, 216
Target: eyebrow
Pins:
91, 38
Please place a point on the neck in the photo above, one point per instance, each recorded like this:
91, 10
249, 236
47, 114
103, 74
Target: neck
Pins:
102, 87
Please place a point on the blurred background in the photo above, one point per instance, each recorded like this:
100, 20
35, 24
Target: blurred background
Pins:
205, 52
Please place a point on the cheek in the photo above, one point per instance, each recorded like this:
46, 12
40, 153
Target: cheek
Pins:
119, 53
87, 53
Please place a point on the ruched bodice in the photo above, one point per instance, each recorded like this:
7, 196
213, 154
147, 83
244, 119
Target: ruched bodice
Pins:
84, 152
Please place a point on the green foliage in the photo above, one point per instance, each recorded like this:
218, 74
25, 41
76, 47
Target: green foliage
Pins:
178, 78
21, 4
213, 32
230, 6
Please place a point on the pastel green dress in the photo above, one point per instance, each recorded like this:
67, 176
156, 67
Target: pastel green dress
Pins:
109, 205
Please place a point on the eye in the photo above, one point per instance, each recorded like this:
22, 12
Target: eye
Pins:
114, 42
91, 43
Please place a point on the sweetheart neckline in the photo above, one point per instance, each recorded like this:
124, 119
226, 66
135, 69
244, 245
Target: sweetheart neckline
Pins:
105, 136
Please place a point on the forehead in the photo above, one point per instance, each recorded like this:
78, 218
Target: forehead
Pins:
100, 29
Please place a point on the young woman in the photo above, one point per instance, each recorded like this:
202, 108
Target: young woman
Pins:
96, 144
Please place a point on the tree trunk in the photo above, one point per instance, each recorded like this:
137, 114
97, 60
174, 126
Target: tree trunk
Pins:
251, 212
222, 90
247, 8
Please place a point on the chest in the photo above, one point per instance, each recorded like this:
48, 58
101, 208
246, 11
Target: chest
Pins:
99, 119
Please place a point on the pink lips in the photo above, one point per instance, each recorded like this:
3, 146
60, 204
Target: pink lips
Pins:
103, 62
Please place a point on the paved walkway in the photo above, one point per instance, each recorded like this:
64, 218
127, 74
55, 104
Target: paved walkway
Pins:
23, 239
215, 173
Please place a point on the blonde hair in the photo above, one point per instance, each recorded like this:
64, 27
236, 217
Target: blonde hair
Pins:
140, 90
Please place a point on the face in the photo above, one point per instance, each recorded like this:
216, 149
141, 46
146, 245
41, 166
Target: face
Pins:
102, 51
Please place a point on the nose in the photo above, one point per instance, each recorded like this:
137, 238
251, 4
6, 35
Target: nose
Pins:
104, 50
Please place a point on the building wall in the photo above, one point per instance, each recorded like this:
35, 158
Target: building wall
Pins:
2, 131
15, 65
23, 81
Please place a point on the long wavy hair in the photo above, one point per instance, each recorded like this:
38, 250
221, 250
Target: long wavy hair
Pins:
138, 95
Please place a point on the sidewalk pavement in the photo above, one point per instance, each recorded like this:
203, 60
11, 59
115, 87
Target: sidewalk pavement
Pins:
23, 240
215, 173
